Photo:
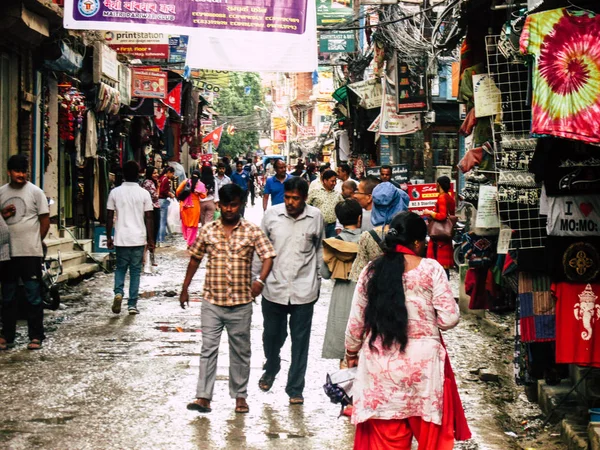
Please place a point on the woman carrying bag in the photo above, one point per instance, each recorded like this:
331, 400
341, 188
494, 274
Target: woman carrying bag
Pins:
404, 384
441, 224
189, 194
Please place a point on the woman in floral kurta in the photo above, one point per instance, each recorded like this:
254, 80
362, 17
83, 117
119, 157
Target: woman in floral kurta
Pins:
404, 388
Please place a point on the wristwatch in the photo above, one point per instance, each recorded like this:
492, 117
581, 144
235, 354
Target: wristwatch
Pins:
260, 281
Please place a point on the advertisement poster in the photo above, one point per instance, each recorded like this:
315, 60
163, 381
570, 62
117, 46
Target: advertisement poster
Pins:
337, 42
148, 83
424, 196
144, 46
332, 12
233, 35
412, 87
178, 49
369, 91
488, 99
392, 123
399, 172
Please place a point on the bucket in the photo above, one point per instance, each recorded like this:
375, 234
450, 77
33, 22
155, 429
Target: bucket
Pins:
594, 414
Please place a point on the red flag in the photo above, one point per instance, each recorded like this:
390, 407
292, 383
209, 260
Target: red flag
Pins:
160, 115
214, 137
173, 99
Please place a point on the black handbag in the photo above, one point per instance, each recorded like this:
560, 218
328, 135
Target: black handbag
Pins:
185, 192
441, 230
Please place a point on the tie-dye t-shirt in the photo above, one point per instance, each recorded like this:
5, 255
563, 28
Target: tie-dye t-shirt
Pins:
566, 76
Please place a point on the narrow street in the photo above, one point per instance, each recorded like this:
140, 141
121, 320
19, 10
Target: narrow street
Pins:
105, 381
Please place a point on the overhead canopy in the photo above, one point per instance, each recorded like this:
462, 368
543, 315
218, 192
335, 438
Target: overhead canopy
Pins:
283, 36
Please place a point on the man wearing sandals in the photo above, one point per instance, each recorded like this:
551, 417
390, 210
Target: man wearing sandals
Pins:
297, 232
25, 208
229, 244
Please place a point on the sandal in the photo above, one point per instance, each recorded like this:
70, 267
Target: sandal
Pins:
34, 344
201, 405
3, 344
266, 382
299, 400
241, 407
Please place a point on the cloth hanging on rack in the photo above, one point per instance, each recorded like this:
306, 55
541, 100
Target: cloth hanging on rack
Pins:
96, 189
577, 323
571, 216
91, 134
566, 90
536, 307
573, 259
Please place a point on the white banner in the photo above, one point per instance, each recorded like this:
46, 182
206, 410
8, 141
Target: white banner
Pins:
369, 91
211, 47
392, 123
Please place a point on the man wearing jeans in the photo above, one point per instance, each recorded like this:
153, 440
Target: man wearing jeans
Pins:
229, 244
25, 209
165, 192
297, 232
133, 231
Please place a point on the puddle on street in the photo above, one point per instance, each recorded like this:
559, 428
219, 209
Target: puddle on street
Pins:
171, 329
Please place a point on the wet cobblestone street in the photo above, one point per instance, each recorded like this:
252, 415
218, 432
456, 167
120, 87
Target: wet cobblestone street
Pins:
105, 381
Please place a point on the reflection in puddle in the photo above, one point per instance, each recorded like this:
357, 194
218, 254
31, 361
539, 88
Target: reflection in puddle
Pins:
173, 329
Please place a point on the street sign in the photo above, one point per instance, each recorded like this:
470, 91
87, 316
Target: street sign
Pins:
399, 172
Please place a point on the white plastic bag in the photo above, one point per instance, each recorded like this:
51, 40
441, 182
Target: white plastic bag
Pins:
173, 217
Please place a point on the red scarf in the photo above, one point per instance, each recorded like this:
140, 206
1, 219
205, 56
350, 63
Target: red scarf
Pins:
404, 250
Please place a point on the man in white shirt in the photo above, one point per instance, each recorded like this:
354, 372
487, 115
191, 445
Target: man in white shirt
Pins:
133, 231
221, 179
25, 208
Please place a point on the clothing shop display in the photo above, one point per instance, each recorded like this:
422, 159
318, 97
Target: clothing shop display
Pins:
577, 318
536, 308
566, 95
576, 260
571, 216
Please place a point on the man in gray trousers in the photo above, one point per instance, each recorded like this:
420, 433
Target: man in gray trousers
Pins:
229, 244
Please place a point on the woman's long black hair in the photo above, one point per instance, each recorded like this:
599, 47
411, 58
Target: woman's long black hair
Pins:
149, 172
208, 178
386, 315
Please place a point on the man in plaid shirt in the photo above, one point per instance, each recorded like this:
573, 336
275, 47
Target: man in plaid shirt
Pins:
229, 244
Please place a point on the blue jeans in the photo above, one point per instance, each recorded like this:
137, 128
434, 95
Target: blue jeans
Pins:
164, 211
129, 258
29, 270
330, 230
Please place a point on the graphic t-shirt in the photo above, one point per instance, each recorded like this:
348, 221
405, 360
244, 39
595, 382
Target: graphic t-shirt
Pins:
577, 323
30, 202
571, 216
566, 91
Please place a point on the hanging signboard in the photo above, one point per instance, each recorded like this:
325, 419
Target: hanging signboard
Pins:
392, 123
337, 42
233, 35
148, 83
424, 196
105, 63
140, 45
307, 131
369, 91
487, 96
412, 87
178, 49
331, 12
399, 172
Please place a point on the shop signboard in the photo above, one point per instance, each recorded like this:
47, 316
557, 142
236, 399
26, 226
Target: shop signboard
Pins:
307, 131
140, 45
331, 12
424, 196
369, 91
412, 87
178, 49
384, 153
234, 35
148, 83
125, 84
337, 41
399, 172
206, 157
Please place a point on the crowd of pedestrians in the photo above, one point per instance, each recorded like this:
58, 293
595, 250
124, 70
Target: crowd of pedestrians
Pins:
388, 302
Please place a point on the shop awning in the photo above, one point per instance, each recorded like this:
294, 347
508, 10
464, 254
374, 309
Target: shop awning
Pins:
340, 94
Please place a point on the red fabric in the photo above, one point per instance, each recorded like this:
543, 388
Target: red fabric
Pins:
214, 137
377, 434
577, 323
475, 288
405, 250
442, 251
173, 99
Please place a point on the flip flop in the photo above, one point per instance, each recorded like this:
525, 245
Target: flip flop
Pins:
35, 344
195, 406
266, 382
242, 409
297, 400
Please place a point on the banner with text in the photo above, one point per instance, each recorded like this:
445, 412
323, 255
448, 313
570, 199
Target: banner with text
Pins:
228, 35
424, 196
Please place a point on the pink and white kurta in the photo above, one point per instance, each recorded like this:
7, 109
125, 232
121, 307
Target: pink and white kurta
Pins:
394, 385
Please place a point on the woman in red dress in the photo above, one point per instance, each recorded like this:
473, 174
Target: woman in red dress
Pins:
441, 250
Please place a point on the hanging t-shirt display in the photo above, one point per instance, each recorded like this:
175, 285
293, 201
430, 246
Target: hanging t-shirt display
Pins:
573, 259
577, 323
566, 167
571, 216
566, 91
